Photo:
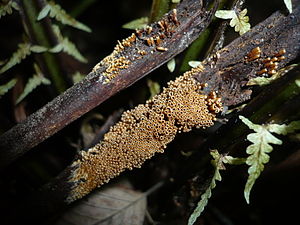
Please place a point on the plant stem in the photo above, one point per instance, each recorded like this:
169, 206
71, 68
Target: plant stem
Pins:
158, 9
80, 7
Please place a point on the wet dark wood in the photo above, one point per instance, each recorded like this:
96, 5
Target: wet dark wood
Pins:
92, 91
229, 71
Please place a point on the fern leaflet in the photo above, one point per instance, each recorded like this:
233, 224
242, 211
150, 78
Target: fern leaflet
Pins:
240, 21
261, 146
66, 46
5, 88
55, 11
8, 8
33, 83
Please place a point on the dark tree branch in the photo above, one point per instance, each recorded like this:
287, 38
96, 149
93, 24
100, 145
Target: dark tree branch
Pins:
95, 88
227, 72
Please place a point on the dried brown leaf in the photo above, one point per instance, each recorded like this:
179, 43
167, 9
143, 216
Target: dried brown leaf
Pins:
114, 204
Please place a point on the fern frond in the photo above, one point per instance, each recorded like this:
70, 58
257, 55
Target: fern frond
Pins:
139, 23
5, 88
240, 21
171, 65
22, 52
218, 165
33, 82
194, 64
55, 11
7, 8
77, 77
289, 5
261, 145
154, 88
66, 46
261, 81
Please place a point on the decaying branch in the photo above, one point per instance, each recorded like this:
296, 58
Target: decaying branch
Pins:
219, 80
132, 59
277, 103
192, 100
268, 47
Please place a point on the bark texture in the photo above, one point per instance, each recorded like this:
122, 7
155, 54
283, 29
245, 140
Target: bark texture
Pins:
132, 59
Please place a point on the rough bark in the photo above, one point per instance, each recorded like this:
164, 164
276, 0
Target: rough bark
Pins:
192, 20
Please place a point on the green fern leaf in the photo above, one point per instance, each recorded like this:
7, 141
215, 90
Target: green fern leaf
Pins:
233, 161
55, 11
57, 48
261, 145
5, 88
44, 12
284, 129
8, 8
33, 83
218, 165
289, 5
66, 46
171, 65
38, 49
77, 77
261, 81
194, 64
22, 52
139, 23
154, 88
225, 14
240, 22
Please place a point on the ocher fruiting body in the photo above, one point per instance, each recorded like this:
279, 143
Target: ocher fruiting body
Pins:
143, 131
254, 54
271, 64
148, 128
144, 41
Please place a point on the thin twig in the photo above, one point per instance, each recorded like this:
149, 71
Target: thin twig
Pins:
111, 120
